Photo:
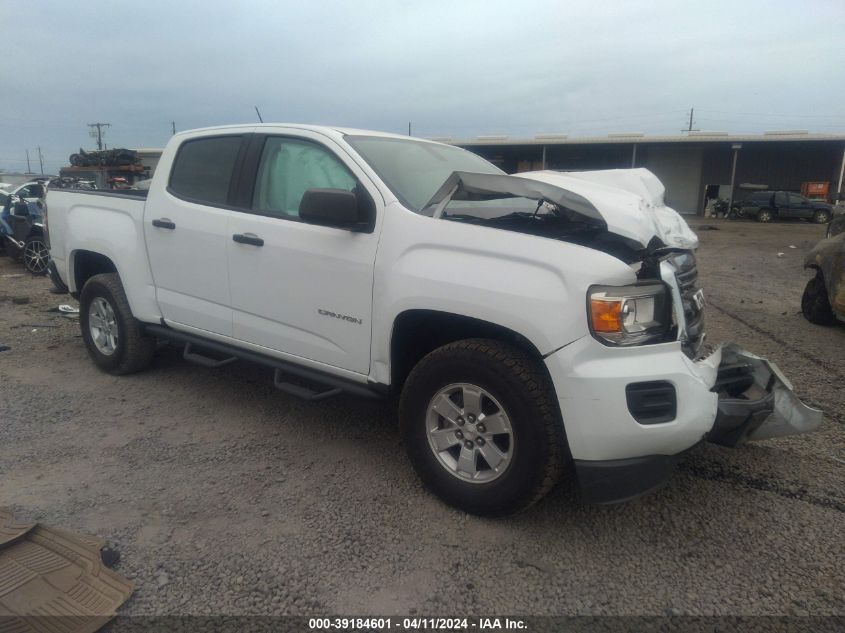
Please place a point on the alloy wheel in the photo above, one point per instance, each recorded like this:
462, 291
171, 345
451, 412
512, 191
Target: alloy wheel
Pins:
36, 257
102, 324
469, 433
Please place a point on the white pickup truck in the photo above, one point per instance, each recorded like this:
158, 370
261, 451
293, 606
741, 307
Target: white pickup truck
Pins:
534, 326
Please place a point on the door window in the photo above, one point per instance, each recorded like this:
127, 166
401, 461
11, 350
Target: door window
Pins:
289, 168
202, 171
795, 200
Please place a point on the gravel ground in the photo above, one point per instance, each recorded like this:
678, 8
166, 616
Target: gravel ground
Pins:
225, 496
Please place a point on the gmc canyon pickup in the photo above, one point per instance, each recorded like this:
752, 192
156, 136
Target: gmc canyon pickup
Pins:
533, 326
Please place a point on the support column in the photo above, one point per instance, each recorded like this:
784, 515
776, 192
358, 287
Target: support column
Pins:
736, 147
841, 173
544, 160
634, 156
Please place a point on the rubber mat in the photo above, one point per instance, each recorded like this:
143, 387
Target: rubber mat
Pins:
9, 530
53, 581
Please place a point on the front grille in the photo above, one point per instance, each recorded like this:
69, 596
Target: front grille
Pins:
687, 276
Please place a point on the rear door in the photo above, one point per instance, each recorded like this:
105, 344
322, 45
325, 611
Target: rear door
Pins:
186, 230
299, 288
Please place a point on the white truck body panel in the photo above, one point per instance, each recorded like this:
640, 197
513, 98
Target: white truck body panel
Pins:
328, 298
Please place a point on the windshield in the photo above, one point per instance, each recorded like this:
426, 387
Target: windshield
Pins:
415, 170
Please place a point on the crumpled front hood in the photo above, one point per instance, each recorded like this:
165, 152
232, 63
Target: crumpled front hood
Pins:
630, 201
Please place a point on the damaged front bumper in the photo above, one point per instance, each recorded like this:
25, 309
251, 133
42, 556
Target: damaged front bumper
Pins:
756, 401
620, 451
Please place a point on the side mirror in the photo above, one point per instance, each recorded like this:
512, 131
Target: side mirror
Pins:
334, 207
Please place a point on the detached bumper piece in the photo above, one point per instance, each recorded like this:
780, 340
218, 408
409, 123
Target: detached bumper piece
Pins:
756, 401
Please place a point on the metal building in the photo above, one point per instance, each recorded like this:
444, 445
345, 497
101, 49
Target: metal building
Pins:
693, 167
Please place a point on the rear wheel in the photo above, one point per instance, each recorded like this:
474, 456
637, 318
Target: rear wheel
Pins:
815, 304
35, 255
764, 215
482, 428
821, 216
115, 339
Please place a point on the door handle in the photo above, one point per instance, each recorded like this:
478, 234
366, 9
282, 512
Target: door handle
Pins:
164, 223
248, 238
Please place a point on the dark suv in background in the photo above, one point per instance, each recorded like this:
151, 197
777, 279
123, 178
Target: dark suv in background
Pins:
768, 205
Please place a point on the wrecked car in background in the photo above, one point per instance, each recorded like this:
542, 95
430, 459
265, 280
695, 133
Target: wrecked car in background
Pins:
823, 302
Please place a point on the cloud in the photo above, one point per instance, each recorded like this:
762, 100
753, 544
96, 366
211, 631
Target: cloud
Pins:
452, 68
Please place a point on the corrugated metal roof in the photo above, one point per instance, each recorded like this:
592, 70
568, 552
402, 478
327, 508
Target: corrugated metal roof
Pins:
633, 137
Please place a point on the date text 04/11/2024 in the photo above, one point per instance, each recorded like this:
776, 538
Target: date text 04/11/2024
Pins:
416, 624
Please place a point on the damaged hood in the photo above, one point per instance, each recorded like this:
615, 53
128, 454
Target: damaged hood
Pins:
628, 201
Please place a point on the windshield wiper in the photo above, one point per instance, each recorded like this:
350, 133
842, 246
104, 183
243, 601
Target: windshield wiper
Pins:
508, 216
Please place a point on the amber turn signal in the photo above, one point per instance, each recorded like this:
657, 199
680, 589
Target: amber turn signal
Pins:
606, 315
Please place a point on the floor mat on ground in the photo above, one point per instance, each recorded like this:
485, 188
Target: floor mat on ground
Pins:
54, 581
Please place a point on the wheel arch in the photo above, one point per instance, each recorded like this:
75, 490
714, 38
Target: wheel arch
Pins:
416, 332
84, 264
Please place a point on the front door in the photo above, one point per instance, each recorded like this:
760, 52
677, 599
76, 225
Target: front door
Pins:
186, 229
299, 288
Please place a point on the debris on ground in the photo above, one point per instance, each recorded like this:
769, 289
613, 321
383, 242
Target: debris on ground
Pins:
64, 309
4, 348
9, 276
51, 572
780, 254
19, 301
792, 246
706, 227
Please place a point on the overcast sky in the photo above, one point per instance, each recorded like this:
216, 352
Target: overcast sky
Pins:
453, 68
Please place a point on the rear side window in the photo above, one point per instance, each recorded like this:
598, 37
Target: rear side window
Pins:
203, 168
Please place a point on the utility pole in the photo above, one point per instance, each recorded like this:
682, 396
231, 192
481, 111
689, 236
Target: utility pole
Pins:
41, 160
409, 128
260, 120
173, 126
691, 122
28, 170
99, 132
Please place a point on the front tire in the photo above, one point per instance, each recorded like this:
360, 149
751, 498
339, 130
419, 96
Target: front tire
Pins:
481, 426
815, 304
115, 339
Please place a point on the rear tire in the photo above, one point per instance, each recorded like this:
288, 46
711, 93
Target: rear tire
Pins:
815, 304
764, 215
821, 216
115, 340
512, 386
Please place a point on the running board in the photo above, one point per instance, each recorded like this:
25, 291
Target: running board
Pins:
328, 385
301, 391
205, 361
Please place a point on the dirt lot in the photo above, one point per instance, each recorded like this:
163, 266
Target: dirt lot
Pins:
224, 495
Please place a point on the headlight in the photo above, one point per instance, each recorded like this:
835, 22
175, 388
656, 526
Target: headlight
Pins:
629, 315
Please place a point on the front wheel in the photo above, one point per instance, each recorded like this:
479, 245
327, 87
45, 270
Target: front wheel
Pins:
821, 216
115, 340
481, 426
764, 215
36, 256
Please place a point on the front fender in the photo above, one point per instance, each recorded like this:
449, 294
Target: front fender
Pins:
533, 286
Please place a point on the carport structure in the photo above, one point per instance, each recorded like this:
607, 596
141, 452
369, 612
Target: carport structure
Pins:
693, 167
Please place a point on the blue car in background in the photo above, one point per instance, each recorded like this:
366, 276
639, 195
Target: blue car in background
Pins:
22, 233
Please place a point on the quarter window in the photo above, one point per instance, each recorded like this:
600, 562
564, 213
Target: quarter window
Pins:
289, 168
203, 169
